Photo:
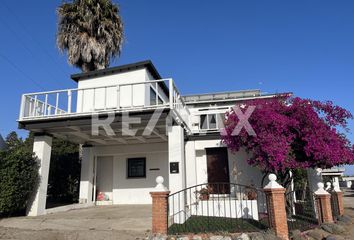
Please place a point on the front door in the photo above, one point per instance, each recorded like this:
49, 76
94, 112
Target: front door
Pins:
104, 179
218, 170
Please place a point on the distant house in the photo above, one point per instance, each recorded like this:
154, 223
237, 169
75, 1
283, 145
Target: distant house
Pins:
2, 143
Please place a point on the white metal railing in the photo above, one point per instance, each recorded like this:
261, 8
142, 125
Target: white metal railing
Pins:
123, 97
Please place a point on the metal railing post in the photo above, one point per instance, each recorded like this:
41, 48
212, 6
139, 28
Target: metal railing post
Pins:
118, 96
69, 101
56, 104
22, 108
45, 105
171, 93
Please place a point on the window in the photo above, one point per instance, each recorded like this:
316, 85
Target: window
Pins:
152, 96
210, 121
136, 167
203, 122
160, 101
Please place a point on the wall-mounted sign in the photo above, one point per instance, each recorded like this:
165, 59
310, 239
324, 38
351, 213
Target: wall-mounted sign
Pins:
174, 167
154, 169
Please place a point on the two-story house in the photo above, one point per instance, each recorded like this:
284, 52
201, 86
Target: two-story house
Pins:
134, 126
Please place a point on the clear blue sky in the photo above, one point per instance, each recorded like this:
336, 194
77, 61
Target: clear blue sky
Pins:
306, 47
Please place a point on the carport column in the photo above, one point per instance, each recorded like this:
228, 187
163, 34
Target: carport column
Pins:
177, 177
87, 174
176, 156
275, 194
339, 194
323, 204
42, 148
159, 207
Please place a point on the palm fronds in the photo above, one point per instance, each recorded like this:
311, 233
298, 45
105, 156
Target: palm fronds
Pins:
91, 32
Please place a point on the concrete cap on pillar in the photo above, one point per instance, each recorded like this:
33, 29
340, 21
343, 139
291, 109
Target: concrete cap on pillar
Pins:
320, 190
273, 182
160, 187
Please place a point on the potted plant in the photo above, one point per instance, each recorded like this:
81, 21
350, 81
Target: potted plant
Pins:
251, 193
204, 194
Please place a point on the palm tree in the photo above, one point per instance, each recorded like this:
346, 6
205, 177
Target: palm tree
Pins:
91, 32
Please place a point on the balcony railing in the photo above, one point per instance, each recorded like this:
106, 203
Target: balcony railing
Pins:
115, 98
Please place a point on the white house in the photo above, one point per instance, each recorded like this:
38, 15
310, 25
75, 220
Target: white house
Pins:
120, 167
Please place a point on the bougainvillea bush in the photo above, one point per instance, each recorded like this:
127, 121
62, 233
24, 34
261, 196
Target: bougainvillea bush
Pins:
291, 133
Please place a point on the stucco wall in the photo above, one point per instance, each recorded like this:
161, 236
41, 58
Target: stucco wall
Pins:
136, 191
106, 92
196, 164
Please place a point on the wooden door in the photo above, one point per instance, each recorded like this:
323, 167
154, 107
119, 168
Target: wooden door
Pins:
218, 170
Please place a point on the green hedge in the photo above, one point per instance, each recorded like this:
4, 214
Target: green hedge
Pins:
18, 176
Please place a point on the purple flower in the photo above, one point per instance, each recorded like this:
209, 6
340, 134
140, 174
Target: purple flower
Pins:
292, 133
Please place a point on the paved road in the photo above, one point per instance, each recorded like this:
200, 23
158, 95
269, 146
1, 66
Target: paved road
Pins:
123, 222
349, 206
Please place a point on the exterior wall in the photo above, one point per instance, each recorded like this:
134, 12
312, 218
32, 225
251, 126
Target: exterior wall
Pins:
109, 97
86, 178
137, 190
197, 172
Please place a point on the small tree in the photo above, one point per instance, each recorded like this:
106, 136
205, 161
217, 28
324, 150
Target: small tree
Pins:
18, 175
64, 174
292, 133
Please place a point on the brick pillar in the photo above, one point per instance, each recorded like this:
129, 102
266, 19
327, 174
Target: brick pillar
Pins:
159, 207
276, 207
340, 203
323, 202
339, 194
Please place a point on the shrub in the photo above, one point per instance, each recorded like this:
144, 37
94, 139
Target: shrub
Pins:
18, 176
64, 172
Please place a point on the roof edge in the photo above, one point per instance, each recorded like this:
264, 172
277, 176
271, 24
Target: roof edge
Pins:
123, 68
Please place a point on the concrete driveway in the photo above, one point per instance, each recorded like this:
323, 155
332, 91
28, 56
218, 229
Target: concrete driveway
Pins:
104, 222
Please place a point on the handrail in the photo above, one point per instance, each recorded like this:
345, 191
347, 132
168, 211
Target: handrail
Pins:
75, 101
217, 183
90, 88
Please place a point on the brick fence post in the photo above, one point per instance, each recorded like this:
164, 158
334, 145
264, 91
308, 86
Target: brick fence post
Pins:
159, 207
275, 194
339, 194
323, 204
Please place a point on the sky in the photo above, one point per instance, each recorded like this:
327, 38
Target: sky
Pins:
304, 47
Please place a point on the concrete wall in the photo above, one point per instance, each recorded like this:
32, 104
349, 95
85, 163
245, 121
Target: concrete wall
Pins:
136, 191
